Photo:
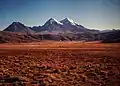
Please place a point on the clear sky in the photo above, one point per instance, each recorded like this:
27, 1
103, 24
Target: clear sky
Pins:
100, 14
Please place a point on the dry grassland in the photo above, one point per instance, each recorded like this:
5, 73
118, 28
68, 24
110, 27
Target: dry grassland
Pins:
51, 63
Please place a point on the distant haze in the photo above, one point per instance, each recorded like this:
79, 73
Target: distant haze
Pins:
96, 14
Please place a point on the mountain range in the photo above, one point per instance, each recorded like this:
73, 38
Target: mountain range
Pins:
65, 29
52, 25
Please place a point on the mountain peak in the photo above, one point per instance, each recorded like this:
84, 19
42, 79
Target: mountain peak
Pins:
18, 27
68, 21
16, 23
52, 20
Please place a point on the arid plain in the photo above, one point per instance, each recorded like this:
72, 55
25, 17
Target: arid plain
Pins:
52, 63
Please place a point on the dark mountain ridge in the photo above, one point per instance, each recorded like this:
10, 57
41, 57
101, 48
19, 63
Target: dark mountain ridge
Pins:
65, 29
19, 27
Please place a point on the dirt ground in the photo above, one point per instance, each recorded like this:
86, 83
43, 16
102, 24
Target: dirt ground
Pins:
52, 63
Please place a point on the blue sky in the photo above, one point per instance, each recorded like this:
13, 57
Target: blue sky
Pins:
99, 14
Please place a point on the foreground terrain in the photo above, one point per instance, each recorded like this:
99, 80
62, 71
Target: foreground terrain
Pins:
51, 63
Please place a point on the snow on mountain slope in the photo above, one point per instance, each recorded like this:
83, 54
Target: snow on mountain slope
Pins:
52, 20
52, 25
68, 21
70, 25
66, 25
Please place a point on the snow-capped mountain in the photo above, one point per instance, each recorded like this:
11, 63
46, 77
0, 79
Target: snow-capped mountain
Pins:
69, 24
65, 29
68, 21
52, 25
53, 21
18, 27
65, 25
